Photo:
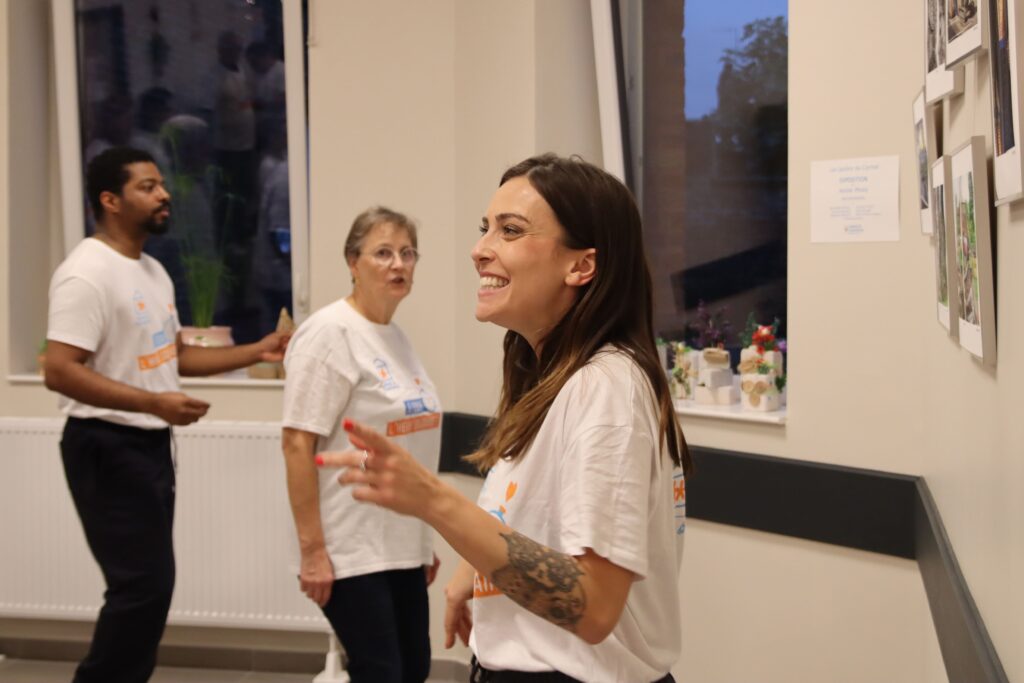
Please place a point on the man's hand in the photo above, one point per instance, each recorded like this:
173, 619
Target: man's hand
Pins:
177, 408
272, 347
316, 576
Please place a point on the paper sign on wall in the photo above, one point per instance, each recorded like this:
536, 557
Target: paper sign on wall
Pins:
855, 200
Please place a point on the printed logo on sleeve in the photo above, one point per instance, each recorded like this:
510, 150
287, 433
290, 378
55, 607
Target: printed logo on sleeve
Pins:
679, 499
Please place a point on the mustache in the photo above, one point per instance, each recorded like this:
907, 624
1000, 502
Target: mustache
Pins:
164, 206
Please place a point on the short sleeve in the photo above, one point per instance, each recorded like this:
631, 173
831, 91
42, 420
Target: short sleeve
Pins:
319, 380
76, 315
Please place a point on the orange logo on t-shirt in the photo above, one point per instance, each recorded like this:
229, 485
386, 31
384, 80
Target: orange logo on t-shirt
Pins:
679, 490
158, 358
483, 588
414, 424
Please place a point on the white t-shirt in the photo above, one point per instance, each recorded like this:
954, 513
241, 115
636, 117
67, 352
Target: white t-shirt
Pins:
121, 309
339, 364
594, 477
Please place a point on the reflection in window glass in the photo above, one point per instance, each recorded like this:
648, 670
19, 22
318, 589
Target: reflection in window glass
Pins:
710, 79
200, 85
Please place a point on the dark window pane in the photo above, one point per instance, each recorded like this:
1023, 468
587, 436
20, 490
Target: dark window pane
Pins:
713, 159
200, 85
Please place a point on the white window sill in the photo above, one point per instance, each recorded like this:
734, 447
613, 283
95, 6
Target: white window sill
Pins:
735, 412
225, 381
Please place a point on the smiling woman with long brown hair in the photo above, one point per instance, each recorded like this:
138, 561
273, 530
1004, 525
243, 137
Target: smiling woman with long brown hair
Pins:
572, 550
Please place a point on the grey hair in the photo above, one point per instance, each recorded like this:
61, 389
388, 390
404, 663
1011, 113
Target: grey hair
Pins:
368, 220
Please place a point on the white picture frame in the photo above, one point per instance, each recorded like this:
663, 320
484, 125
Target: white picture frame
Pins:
966, 30
972, 235
1004, 70
945, 258
940, 82
925, 147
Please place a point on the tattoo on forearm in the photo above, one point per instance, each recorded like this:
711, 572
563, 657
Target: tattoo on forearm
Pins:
542, 580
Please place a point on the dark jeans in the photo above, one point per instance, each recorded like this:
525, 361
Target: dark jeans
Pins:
383, 622
478, 674
122, 481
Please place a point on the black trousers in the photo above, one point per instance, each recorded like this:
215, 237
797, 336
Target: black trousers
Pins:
122, 481
383, 622
478, 674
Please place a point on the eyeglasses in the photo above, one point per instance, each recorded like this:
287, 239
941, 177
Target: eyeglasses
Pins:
384, 256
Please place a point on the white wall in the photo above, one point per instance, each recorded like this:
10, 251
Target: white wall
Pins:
421, 106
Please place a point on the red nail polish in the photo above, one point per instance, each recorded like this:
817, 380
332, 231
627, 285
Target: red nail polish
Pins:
319, 460
347, 424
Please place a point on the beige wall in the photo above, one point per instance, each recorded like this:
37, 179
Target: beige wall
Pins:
422, 108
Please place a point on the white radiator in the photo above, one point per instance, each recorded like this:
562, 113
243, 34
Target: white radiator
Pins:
232, 530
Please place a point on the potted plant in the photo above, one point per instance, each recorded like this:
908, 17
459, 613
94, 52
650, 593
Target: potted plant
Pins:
202, 262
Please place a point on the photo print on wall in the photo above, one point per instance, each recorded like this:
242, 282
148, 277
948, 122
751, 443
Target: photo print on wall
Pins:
924, 151
966, 29
945, 263
940, 82
972, 244
1004, 70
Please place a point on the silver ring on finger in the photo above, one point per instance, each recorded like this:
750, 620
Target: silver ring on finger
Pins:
366, 456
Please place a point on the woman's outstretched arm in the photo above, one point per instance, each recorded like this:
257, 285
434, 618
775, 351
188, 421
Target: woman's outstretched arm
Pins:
584, 594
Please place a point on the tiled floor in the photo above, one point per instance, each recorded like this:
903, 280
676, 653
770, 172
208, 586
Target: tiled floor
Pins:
34, 671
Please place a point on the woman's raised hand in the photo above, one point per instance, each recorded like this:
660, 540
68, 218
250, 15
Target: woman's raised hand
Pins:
382, 472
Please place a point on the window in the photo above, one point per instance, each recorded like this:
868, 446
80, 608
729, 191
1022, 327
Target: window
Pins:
706, 84
206, 89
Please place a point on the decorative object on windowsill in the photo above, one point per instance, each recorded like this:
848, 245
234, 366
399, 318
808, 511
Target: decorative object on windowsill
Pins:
710, 330
759, 389
285, 325
193, 231
214, 336
685, 367
762, 368
662, 347
715, 384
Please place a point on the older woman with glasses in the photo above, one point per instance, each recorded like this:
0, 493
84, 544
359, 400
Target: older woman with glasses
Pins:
366, 567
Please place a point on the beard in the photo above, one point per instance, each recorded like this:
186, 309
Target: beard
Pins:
156, 226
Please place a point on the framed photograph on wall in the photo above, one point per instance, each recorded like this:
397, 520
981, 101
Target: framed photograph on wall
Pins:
972, 245
966, 29
924, 152
945, 260
1004, 70
939, 81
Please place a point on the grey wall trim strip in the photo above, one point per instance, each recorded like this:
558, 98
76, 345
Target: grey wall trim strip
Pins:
847, 506
967, 649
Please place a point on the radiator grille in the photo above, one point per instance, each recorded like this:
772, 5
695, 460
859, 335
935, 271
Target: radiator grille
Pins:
233, 531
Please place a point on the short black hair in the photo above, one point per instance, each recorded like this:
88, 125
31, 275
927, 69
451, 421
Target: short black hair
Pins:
108, 172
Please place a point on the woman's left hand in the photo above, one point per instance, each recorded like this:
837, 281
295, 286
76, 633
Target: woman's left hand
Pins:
431, 569
382, 472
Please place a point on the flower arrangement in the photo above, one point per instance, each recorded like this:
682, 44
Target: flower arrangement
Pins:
710, 330
764, 337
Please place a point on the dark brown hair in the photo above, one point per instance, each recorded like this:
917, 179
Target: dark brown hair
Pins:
596, 211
